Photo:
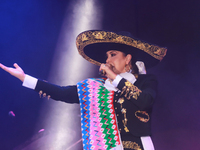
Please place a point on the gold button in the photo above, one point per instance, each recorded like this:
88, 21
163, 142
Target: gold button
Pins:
115, 107
44, 95
117, 114
116, 94
120, 129
123, 110
121, 100
40, 93
115, 100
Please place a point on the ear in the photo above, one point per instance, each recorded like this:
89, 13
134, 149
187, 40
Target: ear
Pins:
128, 58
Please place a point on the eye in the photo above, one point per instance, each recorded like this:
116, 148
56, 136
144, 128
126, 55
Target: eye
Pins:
112, 54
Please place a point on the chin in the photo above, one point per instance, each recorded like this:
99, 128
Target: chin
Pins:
117, 72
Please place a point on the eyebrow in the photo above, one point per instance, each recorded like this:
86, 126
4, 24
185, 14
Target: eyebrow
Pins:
111, 51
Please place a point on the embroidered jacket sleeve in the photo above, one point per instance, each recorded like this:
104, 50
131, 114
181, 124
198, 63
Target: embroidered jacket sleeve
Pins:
62, 93
142, 93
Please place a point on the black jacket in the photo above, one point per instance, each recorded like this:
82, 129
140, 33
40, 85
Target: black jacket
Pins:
133, 103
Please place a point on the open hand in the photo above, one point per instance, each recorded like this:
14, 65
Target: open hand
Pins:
16, 71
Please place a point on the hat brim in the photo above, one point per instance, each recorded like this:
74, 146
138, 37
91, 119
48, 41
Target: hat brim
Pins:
93, 45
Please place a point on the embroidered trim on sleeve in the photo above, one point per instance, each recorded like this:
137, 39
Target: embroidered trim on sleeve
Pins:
130, 90
142, 116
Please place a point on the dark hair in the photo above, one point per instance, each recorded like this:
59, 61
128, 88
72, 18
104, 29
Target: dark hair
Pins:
135, 69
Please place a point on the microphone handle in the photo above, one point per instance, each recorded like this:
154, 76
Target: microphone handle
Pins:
102, 73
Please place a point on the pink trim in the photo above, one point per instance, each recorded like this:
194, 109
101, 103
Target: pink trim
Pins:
95, 118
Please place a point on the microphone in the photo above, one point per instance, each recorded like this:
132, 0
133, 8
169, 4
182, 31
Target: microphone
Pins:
102, 73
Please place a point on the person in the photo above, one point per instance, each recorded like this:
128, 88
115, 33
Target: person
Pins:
115, 110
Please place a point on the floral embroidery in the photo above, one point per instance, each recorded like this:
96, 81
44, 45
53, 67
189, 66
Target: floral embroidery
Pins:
131, 145
123, 110
130, 90
144, 116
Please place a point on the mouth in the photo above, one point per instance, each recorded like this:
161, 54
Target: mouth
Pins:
112, 67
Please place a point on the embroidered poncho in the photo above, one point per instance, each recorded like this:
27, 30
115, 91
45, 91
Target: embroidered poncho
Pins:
98, 120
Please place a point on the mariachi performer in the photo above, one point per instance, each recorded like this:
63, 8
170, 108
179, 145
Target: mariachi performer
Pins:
116, 110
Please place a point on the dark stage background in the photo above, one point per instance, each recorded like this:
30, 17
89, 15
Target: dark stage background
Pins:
29, 31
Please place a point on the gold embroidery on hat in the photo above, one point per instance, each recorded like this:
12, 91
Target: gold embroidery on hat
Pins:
130, 90
131, 145
157, 52
99, 35
119, 38
142, 118
91, 37
140, 45
84, 38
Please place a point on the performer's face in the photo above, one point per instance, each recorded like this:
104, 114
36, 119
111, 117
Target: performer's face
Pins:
117, 61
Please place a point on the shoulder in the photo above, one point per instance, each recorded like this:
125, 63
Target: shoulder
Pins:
146, 77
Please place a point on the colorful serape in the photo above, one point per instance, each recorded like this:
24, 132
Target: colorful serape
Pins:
98, 121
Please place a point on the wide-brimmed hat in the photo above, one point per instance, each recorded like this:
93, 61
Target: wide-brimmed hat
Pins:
94, 44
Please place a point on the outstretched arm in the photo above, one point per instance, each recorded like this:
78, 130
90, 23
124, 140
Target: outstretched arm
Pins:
66, 94
16, 71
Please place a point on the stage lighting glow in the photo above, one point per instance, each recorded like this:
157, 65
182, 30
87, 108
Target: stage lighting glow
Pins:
69, 67
68, 64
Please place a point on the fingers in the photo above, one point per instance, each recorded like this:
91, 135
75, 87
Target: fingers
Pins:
16, 65
107, 71
10, 69
16, 72
104, 69
103, 66
3, 67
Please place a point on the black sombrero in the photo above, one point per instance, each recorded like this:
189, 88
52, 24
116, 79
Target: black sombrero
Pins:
94, 44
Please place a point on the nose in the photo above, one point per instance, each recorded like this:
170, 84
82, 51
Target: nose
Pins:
107, 60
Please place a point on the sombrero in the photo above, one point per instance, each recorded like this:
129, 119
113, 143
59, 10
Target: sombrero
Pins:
93, 45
